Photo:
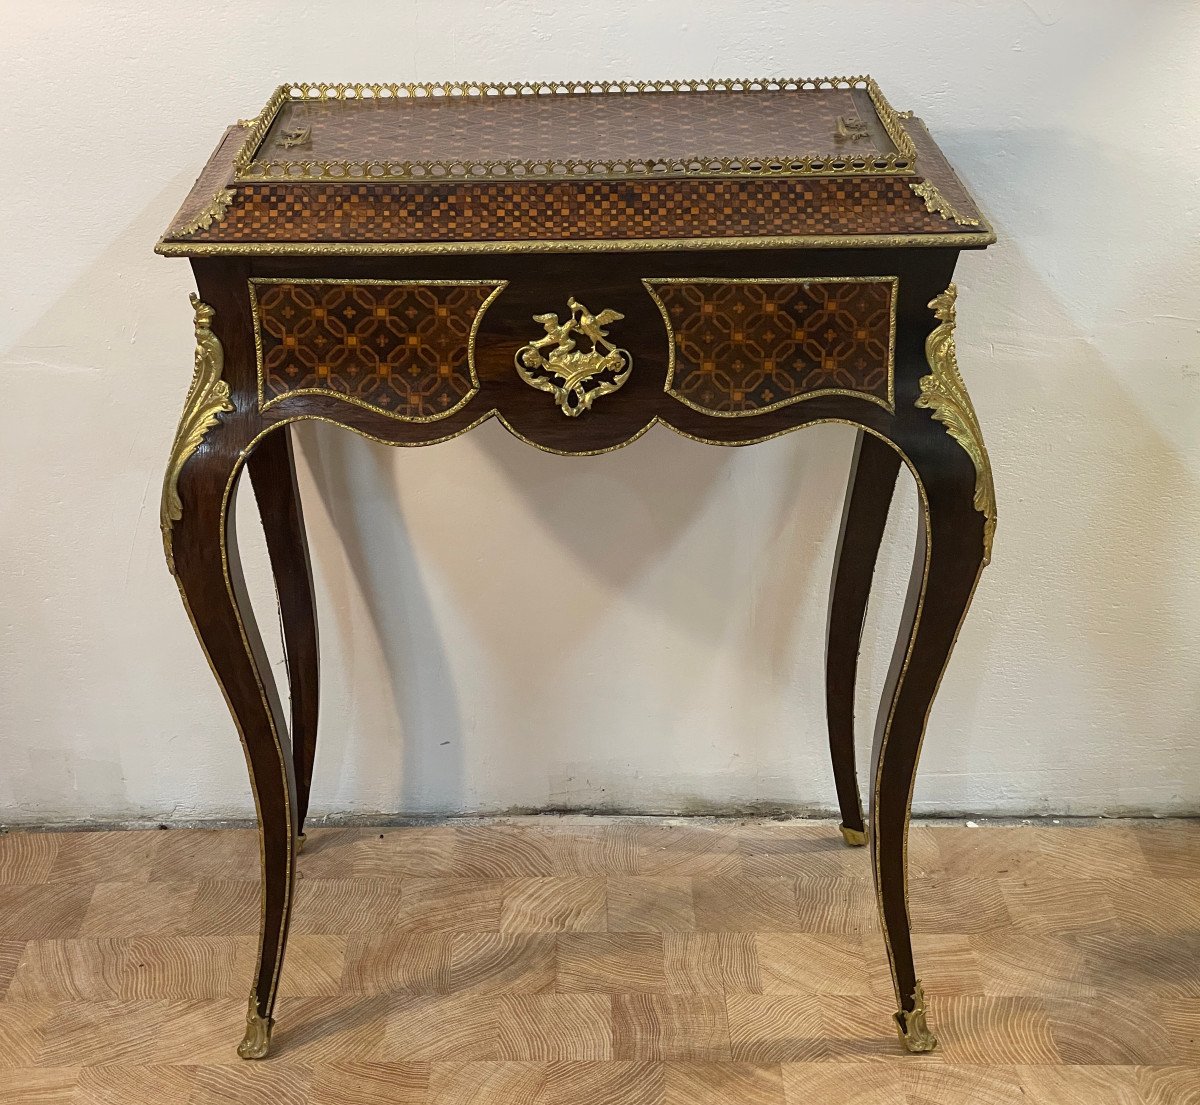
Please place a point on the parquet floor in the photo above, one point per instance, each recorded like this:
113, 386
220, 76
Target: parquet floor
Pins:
579, 961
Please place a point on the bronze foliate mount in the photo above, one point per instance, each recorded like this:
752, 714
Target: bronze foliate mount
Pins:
575, 377
944, 393
256, 1044
913, 1025
938, 204
207, 398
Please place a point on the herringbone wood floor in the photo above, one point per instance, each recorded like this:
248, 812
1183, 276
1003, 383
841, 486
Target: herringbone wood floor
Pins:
572, 961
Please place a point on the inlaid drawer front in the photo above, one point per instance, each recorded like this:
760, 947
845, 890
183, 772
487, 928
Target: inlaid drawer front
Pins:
741, 347
403, 348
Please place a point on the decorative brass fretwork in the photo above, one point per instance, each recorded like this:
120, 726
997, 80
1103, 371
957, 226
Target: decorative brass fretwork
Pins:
212, 212
851, 130
945, 393
257, 1041
207, 397
938, 204
575, 378
249, 166
914, 1031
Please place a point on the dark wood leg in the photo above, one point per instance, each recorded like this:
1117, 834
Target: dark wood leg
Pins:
949, 558
202, 549
868, 497
273, 476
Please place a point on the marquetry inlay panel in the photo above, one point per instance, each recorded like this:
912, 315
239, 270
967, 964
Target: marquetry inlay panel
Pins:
741, 347
402, 348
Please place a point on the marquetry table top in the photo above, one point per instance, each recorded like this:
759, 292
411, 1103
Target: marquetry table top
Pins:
406, 167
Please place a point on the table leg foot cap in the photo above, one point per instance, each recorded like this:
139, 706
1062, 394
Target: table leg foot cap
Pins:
855, 838
912, 1025
256, 1044
299, 844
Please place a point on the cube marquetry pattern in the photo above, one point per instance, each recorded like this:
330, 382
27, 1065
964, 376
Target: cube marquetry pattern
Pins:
584, 210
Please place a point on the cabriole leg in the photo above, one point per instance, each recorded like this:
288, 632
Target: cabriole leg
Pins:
273, 475
956, 525
868, 497
199, 538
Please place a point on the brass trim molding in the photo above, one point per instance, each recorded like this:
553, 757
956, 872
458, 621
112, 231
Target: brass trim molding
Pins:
208, 396
944, 393
247, 166
212, 212
574, 377
256, 1044
913, 1027
889, 405
265, 404
167, 247
938, 204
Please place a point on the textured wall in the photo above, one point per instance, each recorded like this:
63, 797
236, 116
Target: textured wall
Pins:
640, 631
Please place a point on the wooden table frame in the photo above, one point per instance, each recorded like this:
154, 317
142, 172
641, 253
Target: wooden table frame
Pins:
932, 430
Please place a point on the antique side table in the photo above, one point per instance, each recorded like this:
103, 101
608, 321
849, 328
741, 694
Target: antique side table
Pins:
733, 259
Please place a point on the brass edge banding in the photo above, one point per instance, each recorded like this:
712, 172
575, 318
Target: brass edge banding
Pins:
207, 397
889, 405
212, 212
247, 167
944, 392
938, 204
950, 240
655, 420
265, 404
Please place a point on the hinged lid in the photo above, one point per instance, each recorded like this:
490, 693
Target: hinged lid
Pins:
488, 132
617, 165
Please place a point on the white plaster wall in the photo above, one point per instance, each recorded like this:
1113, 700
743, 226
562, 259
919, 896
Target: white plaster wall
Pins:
640, 631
